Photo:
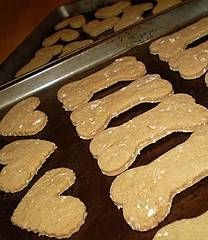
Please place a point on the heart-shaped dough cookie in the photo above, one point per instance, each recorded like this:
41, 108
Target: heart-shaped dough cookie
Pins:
21, 165
23, 120
44, 211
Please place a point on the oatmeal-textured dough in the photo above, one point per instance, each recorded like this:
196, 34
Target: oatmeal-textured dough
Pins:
113, 10
186, 229
145, 193
74, 22
76, 93
93, 117
116, 148
191, 63
45, 211
170, 46
66, 35
23, 120
131, 15
22, 159
71, 47
96, 27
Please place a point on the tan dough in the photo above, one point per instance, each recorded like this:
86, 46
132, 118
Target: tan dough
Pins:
112, 11
66, 35
186, 229
23, 120
145, 193
76, 93
170, 46
96, 27
71, 47
164, 4
74, 22
93, 117
36, 62
116, 148
191, 63
22, 158
131, 15
45, 211
51, 51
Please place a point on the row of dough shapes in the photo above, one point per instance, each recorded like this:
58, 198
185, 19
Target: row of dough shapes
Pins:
93, 117
146, 193
116, 148
22, 159
74, 94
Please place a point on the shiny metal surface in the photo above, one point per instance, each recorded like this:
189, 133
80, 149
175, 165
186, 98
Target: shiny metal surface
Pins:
104, 50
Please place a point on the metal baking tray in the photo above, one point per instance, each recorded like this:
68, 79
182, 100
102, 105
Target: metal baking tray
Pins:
32, 43
104, 220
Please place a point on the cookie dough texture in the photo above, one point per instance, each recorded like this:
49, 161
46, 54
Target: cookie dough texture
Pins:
132, 15
23, 119
34, 63
74, 22
145, 193
113, 10
186, 229
191, 63
93, 117
79, 92
170, 46
71, 47
45, 211
66, 35
22, 159
96, 27
164, 4
116, 148
51, 51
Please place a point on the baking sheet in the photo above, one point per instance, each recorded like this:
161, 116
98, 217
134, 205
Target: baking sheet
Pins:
104, 220
32, 43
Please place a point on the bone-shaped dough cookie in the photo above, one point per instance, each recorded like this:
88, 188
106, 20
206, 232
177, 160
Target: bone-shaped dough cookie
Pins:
66, 35
123, 69
93, 117
22, 158
169, 46
96, 27
22, 119
42, 210
116, 148
191, 63
36, 62
74, 22
132, 14
164, 4
42, 56
146, 193
112, 11
71, 47
186, 229
51, 51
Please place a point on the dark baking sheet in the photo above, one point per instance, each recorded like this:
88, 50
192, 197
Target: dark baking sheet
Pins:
104, 220
25, 51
